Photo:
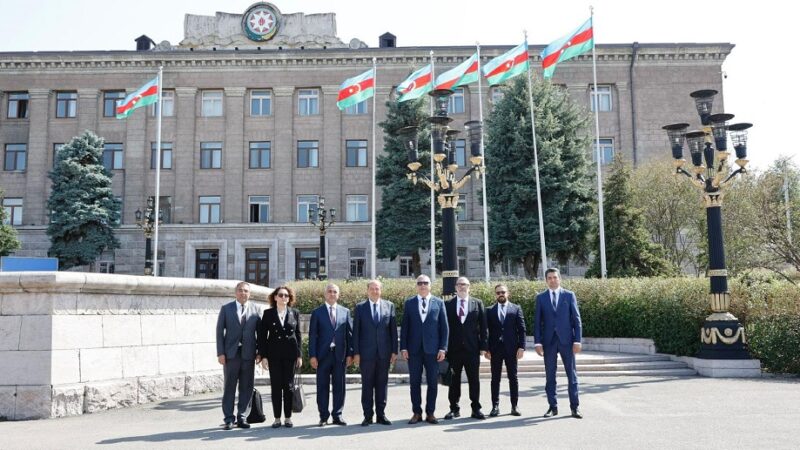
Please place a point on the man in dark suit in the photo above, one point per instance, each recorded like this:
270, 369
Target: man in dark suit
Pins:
423, 342
557, 331
330, 348
506, 344
236, 351
466, 319
375, 349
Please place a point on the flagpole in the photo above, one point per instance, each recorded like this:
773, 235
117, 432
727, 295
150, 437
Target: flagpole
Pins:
374, 167
158, 175
486, 270
433, 177
598, 156
543, 248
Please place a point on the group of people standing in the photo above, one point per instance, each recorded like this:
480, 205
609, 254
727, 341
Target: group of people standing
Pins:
460, 330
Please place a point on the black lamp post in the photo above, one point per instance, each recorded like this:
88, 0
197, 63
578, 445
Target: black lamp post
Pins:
722, 336
445, 181
146, 221
320, 217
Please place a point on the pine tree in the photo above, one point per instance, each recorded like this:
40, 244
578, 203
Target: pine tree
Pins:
565, 179
629, 250
8, 235
83, 209
403, 222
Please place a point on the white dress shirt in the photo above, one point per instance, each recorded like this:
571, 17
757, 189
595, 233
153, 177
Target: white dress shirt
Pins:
423, 312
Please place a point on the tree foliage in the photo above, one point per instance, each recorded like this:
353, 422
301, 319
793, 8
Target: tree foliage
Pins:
8, 235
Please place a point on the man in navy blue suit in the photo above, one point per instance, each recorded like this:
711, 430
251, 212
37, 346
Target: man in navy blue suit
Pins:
330, 348
423, 342
375, 349
557, 331
506, 345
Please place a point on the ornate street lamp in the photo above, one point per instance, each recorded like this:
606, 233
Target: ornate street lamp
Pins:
722, 336
445, 181
146, 221
320, 217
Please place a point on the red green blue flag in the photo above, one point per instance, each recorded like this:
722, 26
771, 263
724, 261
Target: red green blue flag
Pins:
460, 75
508, 65
357, 89
578, 42
416, 85
145, 95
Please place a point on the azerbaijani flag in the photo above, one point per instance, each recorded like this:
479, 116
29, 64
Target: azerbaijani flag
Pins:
357, 89
416, 85
460, 75
578, 42
508, 65
145, 95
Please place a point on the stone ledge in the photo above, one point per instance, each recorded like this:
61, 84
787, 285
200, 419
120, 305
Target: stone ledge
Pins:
722, 368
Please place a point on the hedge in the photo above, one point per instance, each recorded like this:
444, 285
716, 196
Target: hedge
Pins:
670, 311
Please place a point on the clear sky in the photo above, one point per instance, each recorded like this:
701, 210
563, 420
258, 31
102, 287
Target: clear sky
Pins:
760, 86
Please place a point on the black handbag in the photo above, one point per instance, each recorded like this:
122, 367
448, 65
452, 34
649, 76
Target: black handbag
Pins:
298, 396
256, 408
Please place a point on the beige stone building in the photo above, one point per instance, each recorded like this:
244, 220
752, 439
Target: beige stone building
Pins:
252, 136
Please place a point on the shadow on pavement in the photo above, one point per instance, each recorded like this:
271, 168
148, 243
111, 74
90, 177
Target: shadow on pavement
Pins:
189, 405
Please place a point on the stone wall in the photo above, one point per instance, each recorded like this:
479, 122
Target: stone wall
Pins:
74, 343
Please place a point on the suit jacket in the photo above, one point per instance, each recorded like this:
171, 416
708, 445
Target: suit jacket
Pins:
509, 334
230, 332
276, 341
562, 324
430, 336
370, 340
470, 336
321, 333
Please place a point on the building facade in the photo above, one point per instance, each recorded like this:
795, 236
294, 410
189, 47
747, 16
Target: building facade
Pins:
252, 137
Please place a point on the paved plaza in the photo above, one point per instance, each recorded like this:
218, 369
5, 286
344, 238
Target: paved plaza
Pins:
619, 412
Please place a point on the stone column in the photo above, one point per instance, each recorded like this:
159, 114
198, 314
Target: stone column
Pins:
35, 206
185, 156
234, 155
331, 151
283, 196
136, 186
88, 110
623, 107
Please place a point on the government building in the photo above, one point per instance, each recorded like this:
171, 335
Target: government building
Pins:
252, 137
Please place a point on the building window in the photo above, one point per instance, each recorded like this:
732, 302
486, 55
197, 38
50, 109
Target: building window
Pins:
212, 103
357, 208
206, 264
165, 206
606, 150
13, 210
209, 209
56, 148
66, 104
121, 210
106, 267
112, 156
211, 155
166, 155
260, 154
405, 266
259, 208
358, 108
167, 103
307, 154
308, 102
16, 157
603, 96
305, 263
461, 209
110, 99
358, 262
461, 153
257, 266
18, 105
356, 153
455, 103
462, 261
260, 103
306, 204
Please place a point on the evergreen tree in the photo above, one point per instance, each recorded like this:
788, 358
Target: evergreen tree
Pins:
8, 235
629, 250
565, 177
83, 210
403, 222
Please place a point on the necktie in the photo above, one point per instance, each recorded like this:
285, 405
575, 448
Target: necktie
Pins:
502, 312
554, 300
242, 317
333, 318
461, 310
423, 305
375, 313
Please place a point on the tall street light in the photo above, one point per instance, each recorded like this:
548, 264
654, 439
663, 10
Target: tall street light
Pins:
445, 181
722, 336
146, 221
320, 217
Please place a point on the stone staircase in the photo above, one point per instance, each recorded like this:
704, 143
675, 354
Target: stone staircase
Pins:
604, 364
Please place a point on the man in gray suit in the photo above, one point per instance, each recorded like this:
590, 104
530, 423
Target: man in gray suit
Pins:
236, 351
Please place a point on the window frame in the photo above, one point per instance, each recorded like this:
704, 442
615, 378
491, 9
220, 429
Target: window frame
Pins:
605, 144
359, 109
262, 96
252, 200
603, 92
13, 207
456, 103
210, 99
111, 99
19, 104
310, 161
166, 149
19, 157
357, 262
208, 209
357, 201
167, 103
304, 199
214, 151
66, 107
361, 156
254, 147
117, 155
308, 102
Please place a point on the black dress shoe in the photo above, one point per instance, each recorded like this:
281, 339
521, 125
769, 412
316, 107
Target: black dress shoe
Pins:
242, 424
431, 419
322, 423
276, 423
495, 411
576, 413
553, 411
339, 421
415, 419
227, 426
450, 414
478, 415
383, 420
515, 411
366, 421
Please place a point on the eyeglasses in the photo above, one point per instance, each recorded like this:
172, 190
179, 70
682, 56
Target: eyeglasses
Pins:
501, 293
462, 284
423, 283
282, 294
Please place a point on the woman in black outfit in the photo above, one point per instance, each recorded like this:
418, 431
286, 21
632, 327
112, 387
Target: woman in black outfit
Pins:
279, 345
